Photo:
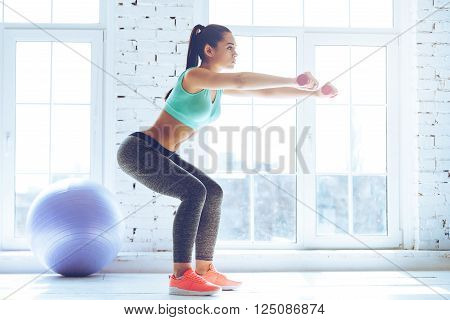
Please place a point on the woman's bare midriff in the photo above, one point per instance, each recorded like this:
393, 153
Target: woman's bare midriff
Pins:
169, 132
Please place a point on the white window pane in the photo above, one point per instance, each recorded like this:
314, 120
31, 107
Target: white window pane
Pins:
234, 221
369, 76
275, 208
228, 140
274, 151
278, 13
228, 12
244, 63
369, 205
24, 11
54, 177
32, 138
371, 14
27, 187
275, 56
369, 139
326, 13
333, 62
71, 73
71, 138
33, 72
331, 205
332, 138
76, 11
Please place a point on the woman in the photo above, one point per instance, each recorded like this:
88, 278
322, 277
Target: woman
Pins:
150, 156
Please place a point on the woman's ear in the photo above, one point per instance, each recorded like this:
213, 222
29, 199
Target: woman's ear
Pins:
209, 51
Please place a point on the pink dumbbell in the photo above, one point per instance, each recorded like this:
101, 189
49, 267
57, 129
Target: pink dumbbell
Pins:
327, 89
302, 79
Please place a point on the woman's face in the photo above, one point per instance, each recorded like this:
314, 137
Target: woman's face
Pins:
226, 51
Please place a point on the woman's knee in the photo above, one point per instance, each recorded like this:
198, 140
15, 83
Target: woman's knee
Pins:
195, 190
214, 190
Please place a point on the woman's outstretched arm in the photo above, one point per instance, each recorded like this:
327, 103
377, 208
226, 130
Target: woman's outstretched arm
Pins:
283, 92
201, 78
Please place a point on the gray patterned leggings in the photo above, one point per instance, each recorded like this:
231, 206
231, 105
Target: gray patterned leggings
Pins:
198, 215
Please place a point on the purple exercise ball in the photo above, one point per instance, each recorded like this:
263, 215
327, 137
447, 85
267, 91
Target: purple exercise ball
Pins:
74, 227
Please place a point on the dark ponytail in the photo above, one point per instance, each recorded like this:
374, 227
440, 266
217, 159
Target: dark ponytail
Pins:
201, 36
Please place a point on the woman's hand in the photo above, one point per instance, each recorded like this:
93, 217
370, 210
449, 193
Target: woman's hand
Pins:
307, 81
327, 91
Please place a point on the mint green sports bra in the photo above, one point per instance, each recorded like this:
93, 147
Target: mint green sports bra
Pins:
192, 109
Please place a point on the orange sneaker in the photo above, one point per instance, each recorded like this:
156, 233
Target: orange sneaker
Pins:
191, 284
215, 277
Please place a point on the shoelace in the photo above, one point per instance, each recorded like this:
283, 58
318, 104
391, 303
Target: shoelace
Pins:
195, 277
214, 271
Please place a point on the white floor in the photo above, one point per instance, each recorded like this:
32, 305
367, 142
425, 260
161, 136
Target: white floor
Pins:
426, 285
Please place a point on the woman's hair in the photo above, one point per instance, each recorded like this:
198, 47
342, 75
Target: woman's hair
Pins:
201, 36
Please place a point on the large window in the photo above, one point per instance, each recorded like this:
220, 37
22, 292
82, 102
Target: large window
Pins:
51, 103
349, 196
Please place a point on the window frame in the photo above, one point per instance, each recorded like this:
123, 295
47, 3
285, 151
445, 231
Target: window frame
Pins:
396, 133
11, 34
393, 238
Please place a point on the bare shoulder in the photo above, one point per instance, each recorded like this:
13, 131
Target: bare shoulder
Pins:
201, 78
198, 73
188, 83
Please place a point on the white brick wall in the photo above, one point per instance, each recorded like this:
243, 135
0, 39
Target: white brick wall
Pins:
433, 63
151, 46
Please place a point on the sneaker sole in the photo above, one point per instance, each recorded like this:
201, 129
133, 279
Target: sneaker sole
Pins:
182, 292
227, 288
